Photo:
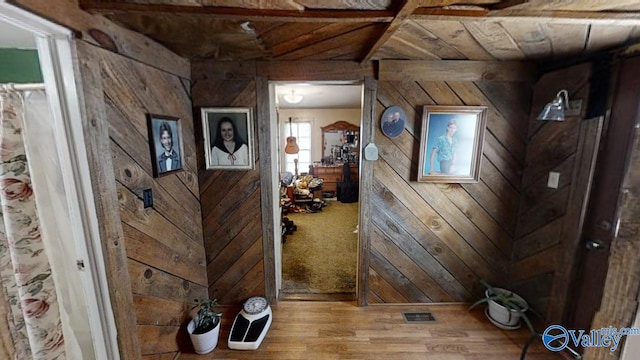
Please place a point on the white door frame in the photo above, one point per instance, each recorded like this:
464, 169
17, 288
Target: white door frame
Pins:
274, 153
276, 161
83, 293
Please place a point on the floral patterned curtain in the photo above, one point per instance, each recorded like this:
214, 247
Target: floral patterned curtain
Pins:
34, 319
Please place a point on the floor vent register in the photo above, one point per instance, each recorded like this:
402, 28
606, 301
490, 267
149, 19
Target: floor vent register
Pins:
418, 317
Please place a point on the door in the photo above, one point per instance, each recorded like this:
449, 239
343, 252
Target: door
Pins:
88, 322
599, 228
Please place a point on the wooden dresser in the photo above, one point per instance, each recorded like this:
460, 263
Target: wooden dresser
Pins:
332, 175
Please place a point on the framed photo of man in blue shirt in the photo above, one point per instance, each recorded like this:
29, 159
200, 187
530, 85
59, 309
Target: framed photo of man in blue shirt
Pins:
451, 143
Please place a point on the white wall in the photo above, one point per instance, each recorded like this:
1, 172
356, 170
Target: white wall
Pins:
318, 118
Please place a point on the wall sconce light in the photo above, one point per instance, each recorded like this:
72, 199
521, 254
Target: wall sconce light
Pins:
293, 98
555, 110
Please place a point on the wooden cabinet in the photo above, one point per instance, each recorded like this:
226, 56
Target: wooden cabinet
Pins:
332, 175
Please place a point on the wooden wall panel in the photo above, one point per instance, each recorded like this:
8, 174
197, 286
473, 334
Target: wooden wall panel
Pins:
427, 242
231, 208
452, 234
158, 339
545, 216
390, 239
381, 291
163, 244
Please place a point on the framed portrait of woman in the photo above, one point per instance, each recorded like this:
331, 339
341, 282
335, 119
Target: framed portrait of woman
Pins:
451, 143
228, 138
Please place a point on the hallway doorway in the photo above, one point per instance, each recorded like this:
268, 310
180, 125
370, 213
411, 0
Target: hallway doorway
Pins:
319, 232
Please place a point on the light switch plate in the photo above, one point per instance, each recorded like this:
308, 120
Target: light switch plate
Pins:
574, 108
554, 179
147, 198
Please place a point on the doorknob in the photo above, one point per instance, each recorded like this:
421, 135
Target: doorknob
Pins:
595, 244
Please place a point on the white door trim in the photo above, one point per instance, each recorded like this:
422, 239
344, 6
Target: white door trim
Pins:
87, 284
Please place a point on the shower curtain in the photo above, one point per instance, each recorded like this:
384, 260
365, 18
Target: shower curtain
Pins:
32, 317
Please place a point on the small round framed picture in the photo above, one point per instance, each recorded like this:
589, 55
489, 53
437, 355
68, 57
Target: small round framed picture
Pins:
392, 121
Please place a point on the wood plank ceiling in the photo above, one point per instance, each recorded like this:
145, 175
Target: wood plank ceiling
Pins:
537, 30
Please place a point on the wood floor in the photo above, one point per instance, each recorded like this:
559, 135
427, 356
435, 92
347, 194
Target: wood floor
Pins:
341, 330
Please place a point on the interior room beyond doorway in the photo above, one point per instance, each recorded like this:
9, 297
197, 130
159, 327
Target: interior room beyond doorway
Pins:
318, 163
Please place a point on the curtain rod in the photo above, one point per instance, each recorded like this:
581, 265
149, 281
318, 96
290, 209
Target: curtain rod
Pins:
20, 87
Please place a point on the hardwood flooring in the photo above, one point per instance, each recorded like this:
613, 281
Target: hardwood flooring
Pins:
342, 330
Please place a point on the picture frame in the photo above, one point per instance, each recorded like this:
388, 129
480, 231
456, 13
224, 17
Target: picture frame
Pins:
392, 121
165, 131
451, 143
228, 138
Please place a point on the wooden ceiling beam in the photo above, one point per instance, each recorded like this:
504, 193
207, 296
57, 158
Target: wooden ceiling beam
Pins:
554, 16
461, 70
407, 7
446, 14
442, 3
573, 5
568, 17
229, 13
513, 12
507, 4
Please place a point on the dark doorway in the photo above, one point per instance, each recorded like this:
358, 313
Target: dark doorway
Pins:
600, 223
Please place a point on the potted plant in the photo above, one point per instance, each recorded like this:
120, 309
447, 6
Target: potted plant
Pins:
505, 308
204, 328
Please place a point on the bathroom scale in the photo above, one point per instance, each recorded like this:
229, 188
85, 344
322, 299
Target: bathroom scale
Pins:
250, 325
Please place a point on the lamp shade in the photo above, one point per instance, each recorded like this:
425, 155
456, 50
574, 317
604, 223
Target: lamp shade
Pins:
554, 111
293, 98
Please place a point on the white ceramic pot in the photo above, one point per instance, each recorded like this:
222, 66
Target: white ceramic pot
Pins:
508, 318
203, 343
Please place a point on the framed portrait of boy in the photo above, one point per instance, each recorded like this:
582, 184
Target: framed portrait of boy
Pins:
228, 138
451, 143
165, 143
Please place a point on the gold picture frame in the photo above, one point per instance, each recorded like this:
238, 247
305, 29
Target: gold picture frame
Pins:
451, 143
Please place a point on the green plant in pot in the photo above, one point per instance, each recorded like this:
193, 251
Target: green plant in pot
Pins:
204, 328
505, 309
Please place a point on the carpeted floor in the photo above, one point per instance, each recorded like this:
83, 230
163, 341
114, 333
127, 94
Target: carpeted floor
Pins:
320, 257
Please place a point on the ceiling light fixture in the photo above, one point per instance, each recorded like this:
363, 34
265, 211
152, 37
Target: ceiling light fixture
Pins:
555, 110
293, 98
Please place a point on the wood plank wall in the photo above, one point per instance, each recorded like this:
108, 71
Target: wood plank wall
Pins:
161, 247
153, 257
231, 207
432, 242
540, 272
